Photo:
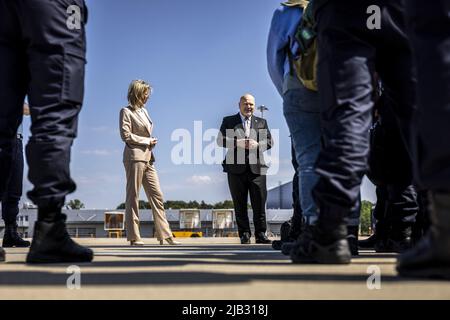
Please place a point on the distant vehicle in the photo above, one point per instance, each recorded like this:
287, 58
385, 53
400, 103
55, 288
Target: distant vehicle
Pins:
187, 234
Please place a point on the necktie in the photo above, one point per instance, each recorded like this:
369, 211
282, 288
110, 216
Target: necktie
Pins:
247, 127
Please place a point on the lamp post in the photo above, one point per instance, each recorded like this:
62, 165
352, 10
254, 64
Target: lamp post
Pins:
261, 109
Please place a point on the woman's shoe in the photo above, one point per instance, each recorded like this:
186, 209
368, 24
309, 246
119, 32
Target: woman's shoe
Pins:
136, 243
170, 241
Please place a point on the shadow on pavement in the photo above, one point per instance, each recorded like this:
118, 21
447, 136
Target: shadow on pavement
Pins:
190, 247
22, 278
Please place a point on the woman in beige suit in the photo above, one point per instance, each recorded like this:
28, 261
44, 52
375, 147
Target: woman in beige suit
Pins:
136, 131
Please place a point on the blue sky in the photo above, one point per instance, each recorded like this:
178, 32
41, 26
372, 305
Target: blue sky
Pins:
200, 57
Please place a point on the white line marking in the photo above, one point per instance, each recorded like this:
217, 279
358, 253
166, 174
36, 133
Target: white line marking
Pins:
173, 252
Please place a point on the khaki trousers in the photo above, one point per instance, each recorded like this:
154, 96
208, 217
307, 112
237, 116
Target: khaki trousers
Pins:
142, 173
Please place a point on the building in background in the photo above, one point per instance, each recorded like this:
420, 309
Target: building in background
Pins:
87, 223
280, 197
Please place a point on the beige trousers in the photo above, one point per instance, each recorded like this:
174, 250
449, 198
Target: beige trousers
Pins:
142, 173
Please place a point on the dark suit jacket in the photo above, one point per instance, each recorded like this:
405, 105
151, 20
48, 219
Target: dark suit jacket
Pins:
231, 130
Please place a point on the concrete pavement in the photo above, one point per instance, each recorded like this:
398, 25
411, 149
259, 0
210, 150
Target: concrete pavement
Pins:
207, 268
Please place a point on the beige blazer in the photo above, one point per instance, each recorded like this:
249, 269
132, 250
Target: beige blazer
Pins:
136, 135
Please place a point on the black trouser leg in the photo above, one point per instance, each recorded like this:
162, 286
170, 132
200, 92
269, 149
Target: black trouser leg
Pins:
13, 86
11, 198
430, 39
380, 208
238, 185
394, 64
56, 62
297, 217
350, 53
258, 196
402, 207
44, 58
422, 223
345, 73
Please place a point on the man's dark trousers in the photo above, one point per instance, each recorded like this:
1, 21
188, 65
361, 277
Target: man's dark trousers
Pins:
241, 185
11, 198
430, 38
44, 59
350, 53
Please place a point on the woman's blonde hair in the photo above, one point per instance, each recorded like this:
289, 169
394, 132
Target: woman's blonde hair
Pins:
136, 93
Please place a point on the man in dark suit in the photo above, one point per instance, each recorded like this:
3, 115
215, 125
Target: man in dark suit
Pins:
246, 137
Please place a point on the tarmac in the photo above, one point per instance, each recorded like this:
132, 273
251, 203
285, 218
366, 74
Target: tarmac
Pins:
208, 268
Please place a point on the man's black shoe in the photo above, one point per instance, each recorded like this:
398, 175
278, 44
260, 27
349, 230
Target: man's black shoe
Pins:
308, 249
262, 238
11, 238
2, 254
277, 244
245, 238
52, 244
352, 238
286, 248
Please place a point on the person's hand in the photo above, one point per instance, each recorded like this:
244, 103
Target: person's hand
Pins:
26, 109
241, 143
251, 144
153, 142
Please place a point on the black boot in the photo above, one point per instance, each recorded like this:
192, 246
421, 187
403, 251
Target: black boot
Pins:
2, 254
352, 238
430, 258
379, 237
392, 245
327, 246
380, 234
368, 243
398, 241
286, 248
290, 231
277, 244
11, 238
288, 245
422, 224
52, 244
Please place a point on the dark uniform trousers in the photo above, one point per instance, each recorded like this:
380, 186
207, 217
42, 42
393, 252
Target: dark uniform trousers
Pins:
429, 23
13, 192
297, 217
391, 170
42, 54
349, 55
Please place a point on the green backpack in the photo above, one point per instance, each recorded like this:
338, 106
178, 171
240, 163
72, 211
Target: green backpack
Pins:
306, 64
